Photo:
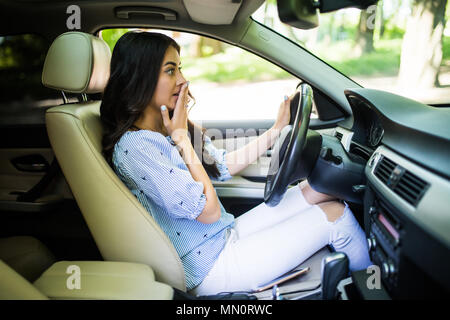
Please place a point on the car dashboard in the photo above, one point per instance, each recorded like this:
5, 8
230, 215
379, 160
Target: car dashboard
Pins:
407, 195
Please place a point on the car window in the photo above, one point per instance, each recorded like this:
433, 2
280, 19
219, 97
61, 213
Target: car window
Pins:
23, 98
228, 83
21, 61
400, 46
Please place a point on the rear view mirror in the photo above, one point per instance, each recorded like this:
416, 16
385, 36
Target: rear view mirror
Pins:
304, 14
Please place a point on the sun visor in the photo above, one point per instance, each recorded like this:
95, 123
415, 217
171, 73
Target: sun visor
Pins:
215, 12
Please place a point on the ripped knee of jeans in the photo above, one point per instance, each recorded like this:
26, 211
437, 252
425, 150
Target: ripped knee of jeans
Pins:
334, 211
344, 228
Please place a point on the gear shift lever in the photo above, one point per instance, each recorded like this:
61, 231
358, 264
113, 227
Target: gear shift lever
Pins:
334, 269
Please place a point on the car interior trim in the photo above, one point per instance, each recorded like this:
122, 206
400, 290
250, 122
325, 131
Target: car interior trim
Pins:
345, 136
432, 211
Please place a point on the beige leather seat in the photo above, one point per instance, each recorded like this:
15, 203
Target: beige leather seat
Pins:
97, 280
26, 255
14, 286
123, 230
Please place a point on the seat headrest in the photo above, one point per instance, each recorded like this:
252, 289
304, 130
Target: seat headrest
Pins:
77, 62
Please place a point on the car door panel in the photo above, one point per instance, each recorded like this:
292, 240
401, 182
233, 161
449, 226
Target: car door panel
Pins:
54, 217
14, 176
246, 189
256, 172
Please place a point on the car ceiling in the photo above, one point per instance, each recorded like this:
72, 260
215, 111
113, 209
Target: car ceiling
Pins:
48, 17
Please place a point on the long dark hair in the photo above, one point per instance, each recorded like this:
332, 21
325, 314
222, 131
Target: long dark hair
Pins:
135, 67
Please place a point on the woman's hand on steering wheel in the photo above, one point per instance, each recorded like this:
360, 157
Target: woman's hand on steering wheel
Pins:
296, 152
284, 114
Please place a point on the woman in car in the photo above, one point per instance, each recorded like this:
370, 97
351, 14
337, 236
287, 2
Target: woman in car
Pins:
168, 162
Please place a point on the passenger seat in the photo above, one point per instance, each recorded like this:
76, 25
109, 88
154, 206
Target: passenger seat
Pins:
26, 255
15, 287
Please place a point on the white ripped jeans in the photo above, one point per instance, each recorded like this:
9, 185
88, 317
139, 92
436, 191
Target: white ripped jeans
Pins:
267, 242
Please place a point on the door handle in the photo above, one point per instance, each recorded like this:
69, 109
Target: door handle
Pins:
30, 163
32, 167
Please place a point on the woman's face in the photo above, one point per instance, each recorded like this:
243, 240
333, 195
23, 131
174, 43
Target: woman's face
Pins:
170, 80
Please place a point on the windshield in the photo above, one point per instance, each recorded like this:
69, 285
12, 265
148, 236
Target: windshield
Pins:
400, 46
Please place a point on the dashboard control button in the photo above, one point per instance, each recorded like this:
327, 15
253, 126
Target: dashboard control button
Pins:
385, 269
372, 243
388, 269
359, 188
327, 155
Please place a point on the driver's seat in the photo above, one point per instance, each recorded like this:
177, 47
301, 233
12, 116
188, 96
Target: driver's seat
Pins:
122, 228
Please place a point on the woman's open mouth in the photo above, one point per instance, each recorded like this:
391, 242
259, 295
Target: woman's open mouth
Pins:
175, 96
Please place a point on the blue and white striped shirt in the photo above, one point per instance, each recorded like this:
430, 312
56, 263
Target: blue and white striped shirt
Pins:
152, 168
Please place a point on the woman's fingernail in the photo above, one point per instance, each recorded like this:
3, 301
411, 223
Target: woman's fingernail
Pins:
163, 108
285, 98
187, 84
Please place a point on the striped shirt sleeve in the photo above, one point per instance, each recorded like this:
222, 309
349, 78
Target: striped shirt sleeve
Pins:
219, 156
168, 185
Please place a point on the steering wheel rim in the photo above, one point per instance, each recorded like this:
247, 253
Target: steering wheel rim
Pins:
288, 162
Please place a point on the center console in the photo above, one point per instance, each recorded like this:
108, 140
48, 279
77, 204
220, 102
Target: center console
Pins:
406, 217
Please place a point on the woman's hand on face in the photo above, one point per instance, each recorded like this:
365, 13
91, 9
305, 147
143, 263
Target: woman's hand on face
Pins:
177, 126
284, 114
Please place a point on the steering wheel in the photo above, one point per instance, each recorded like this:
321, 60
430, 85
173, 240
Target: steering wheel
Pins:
296, 150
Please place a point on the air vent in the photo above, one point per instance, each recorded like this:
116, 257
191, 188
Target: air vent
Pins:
405, 184
339, 136
359, 151
384, 169
411, 188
